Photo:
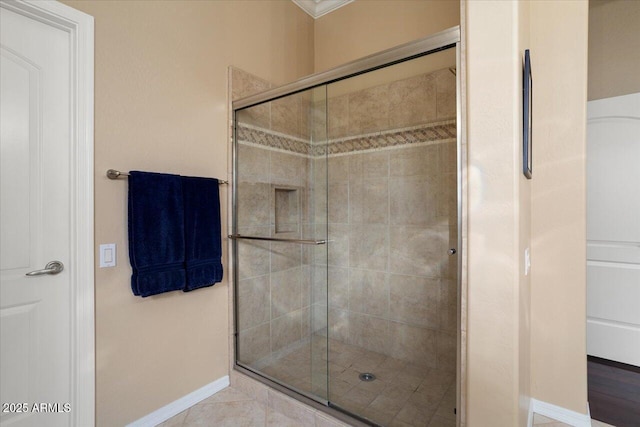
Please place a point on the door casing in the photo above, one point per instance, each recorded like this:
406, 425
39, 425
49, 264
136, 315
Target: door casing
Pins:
80, 27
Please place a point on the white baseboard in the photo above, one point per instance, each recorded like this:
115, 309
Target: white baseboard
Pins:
174, 408
559, 413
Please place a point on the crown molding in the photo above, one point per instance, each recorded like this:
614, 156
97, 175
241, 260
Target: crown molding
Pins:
317, 8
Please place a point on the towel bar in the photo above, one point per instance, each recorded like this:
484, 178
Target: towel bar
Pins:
115, 174
273, 239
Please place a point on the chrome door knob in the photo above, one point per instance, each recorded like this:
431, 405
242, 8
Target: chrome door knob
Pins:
53, 267
452, 251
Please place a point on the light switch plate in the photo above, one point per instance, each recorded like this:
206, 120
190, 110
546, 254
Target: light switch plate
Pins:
108, 255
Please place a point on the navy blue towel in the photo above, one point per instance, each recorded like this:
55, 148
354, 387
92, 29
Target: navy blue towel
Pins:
203, 242
156, 233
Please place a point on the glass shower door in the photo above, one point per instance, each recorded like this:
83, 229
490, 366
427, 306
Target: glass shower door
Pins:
345, 236
392, 211
280, 250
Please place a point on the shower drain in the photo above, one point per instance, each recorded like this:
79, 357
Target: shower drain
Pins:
367, 376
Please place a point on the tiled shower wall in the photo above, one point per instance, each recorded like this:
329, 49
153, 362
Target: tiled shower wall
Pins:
274, 278
391, 219
392, 216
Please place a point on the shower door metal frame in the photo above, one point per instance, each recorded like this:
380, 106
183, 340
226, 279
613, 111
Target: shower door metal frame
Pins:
447, 39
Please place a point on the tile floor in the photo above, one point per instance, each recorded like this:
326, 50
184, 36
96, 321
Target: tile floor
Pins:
401, 395
232, 408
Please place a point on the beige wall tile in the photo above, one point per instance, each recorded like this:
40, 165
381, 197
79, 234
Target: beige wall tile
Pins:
254, 256
318, 317
368, 200
318, 119
319, 289
368, 110
413, 200
319, 200
338, 326
339, 244
253, 203
305, 123
285, 256
305, 322
253, 302
447, 198
338, 202
285, 115
371, 333
412, 101
286, 291
414, 300
446, 348
368, 246
289, 169
446, 83
413, 344
320, 253
369, 292
448, 157
258, 116
448, 305
410, 161
369, 165
338, 285
254, 344
246, 84
305, 285
286, 330
338, 116
253, 162
418, 251
338, 169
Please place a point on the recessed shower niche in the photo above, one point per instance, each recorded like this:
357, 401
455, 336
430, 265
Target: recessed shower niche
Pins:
345, 210
287, 209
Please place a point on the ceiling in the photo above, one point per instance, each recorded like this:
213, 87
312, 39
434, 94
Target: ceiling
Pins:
317, 8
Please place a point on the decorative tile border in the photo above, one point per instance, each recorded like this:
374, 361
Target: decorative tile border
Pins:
272, 139
432, 132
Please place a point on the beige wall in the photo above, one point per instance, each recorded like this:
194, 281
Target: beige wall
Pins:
161, 105
365, 27
495, 219
504, 209
558, 289
614, 48
524, 237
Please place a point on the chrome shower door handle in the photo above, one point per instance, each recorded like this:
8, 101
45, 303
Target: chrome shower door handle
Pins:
53, 267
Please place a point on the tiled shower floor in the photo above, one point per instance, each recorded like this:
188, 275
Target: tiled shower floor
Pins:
401, 395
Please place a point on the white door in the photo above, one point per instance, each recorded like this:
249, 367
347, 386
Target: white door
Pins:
613, 229
36, 130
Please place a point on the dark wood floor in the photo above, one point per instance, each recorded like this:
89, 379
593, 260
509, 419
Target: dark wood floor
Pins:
614, 392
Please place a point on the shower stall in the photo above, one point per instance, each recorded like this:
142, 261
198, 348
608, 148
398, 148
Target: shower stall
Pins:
346, 235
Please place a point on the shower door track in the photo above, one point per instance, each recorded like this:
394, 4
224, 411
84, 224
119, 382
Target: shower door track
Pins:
447, 39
